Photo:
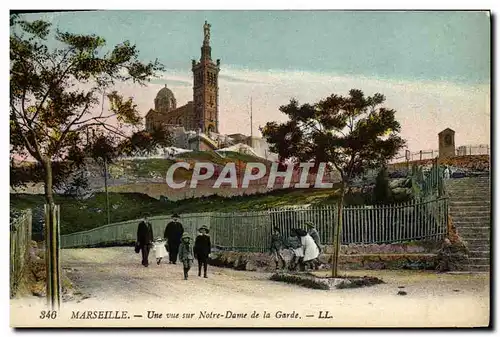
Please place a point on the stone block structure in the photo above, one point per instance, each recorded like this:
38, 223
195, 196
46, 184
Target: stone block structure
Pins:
446, 143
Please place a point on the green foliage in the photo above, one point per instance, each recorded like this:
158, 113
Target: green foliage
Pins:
352, 133
144, 142
55, 92
382, 193
24, 173
78, 186
144, 168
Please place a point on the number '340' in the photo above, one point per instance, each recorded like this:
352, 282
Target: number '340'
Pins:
48, 314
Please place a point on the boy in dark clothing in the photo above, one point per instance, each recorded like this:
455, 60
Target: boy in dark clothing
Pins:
173, 233
295, 246
186, 253
202, 248
144, 239
276, 247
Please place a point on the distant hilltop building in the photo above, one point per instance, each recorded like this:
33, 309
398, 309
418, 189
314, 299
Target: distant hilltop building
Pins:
202, 113
195, 125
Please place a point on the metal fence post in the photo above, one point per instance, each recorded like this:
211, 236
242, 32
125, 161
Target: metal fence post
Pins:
232, 232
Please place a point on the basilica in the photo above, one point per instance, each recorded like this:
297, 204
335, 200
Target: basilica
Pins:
201, 115
195, 125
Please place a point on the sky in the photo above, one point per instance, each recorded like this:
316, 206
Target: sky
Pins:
433, 67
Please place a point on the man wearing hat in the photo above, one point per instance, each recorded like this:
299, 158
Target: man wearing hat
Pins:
186, 253
202, 248
173, 234
144, 239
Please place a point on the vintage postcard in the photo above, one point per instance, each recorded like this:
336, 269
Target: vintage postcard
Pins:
250, 169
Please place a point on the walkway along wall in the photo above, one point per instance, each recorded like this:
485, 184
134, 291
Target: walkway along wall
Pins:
251, 231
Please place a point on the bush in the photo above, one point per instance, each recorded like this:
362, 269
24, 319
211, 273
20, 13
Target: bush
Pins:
382, 194
307, 282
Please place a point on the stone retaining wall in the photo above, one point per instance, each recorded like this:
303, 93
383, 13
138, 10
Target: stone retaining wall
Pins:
412, 247
412, 255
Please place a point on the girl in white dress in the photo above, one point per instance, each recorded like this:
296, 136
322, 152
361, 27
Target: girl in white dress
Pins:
311, 251
159, 249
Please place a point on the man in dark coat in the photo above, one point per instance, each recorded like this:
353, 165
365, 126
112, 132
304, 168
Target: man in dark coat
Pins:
144, 239
202, 248
173, 234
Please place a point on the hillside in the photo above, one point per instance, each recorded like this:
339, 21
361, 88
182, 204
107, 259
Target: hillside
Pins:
78, 215
131, 200
143, 171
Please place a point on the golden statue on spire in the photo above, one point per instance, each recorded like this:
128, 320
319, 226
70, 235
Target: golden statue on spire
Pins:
206, 31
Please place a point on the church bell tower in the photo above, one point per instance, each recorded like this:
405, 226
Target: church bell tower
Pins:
206, 87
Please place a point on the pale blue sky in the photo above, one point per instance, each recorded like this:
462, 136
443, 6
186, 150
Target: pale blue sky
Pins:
433, 67
450, 46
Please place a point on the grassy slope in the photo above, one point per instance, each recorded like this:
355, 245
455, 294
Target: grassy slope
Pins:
145, 167
86, 214
82, 215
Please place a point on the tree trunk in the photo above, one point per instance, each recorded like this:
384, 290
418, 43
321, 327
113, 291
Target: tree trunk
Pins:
106, 189
53, 277
337, 242
47, 165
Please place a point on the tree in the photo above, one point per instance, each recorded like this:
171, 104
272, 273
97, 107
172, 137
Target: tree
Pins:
144, 142
54, 93
382, 193
351, 133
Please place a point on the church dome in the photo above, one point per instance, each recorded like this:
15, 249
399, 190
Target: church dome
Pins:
165, 100
165, 93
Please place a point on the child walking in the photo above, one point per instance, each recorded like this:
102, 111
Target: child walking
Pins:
160, 250
202, 248
186, 253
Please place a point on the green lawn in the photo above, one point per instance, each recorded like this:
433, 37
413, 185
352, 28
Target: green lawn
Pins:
78, 215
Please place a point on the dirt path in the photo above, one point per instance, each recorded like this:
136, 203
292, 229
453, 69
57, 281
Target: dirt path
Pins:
115, 280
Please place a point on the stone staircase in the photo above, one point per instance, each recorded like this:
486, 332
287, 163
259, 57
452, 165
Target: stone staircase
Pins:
470, 209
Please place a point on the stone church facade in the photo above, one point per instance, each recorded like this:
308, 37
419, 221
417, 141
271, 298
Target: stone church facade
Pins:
202, 113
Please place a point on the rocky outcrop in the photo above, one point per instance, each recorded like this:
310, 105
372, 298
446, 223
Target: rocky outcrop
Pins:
454, 253
35, 276
453, 256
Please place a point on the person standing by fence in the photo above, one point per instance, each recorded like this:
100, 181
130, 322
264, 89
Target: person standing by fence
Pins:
144, 239
311, 251
313, 232
277, 247
447, 172
202, 248
173, 234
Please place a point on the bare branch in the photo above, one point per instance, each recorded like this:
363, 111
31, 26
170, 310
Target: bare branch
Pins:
93, 119
34, 151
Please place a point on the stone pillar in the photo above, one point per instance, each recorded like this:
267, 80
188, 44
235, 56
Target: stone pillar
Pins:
446, 143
